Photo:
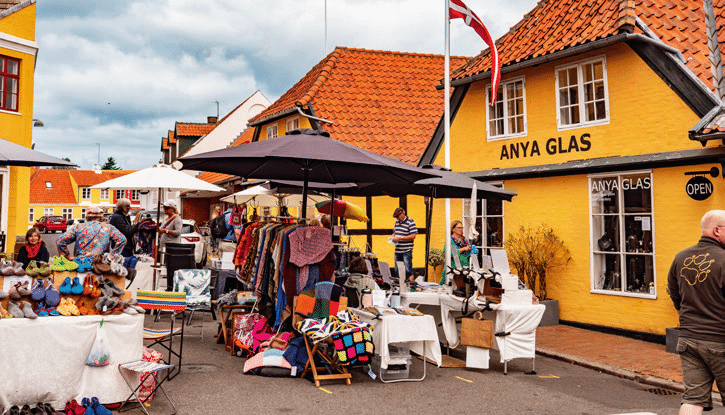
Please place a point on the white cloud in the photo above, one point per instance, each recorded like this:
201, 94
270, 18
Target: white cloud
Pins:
121, 73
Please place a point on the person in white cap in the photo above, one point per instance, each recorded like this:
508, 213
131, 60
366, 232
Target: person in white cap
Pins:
92, 237
170, 228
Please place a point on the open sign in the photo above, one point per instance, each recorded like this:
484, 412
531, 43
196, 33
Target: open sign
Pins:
699, 187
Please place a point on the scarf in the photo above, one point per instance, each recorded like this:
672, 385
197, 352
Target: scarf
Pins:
32, 250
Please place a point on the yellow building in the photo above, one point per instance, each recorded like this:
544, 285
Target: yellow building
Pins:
18, 50
592, 129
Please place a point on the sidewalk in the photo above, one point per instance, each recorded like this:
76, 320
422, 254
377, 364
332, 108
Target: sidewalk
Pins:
632, 359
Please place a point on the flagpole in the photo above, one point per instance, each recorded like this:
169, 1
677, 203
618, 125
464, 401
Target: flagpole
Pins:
447, 132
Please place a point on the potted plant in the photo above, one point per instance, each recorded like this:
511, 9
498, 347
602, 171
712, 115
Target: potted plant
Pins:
436, 261
534, 252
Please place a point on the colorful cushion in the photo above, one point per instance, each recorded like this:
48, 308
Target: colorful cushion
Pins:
354, 347
268, 363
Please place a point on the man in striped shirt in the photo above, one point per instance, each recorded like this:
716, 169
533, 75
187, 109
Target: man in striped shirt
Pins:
403, 235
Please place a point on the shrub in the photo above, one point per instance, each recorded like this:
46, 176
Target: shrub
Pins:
436, 257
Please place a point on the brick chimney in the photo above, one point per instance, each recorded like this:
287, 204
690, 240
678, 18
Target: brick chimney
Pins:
211, 120
627, 16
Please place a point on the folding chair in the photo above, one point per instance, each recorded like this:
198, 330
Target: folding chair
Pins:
176, 304
196, 283
385, 272
141, 366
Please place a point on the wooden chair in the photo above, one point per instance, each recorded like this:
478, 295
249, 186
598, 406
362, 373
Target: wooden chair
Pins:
330, 365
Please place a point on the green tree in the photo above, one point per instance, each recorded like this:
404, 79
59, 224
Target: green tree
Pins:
110, 165
64, 167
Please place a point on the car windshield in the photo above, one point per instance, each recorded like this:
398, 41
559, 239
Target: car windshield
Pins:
55, 218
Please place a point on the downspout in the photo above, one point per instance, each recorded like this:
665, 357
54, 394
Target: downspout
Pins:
314, 118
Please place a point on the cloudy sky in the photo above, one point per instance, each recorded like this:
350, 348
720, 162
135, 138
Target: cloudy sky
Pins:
120, 73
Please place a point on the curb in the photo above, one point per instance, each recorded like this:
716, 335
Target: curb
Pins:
618, 371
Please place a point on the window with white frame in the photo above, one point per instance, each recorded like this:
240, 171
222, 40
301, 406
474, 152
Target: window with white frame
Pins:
293, 124
272, 131
67, 213
48, 211
135, 194
622, 234
507, 118
120, 194
83, 213
105, 194
488, 223
582, 93
48, 185
85, 193
31, 215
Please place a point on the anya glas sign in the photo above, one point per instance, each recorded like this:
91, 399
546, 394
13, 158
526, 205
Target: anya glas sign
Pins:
622, 234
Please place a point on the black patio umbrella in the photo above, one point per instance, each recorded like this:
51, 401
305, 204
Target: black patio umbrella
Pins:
309, 156
12, 154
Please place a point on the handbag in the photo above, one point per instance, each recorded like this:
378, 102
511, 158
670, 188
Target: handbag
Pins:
354, 347
476, 331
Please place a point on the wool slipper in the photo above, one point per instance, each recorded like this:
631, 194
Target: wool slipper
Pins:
52, 296
32, 269
98, 408
96, 292
3, 295
72, 307
133, 303
52, 311
38, 292
14, 309
101, 303
40, 310
18, 268
63, 307
48, 409
25, 410
65, 287
72, 407
77, 287
23, 289
44, 269
79, 262
126, 307
70, 265
4, 313
88, 264
7, 269
114, 288
86, 402
28, 310
13, 293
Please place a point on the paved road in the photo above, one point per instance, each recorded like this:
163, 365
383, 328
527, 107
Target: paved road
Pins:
212, 382
49, 239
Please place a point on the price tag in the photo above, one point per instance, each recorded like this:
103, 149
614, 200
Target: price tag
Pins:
371, 373
293, 372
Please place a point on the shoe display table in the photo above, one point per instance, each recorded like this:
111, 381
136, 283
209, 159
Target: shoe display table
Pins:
44, 359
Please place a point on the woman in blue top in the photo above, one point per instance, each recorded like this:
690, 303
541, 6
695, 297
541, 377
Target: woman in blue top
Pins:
459, 247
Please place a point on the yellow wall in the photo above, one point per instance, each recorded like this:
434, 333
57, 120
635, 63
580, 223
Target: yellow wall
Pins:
638, 99
17, 127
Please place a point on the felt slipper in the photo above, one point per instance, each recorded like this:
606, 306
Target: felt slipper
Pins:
63, 308
133, 303
23, 288
13, 293
7, 268
86, 402
79, 262
44, 269
14, 410
48, 408
38, 292
52, 296
25, 410
40, 310
18, 268
72, 407
52, 311
32, 269
115, 289
28, 310
72, 307
14, 309
96, 287
126, 307
98, 408
87, 288
77, 287
65, 287
4, 313
3, 295
70, 265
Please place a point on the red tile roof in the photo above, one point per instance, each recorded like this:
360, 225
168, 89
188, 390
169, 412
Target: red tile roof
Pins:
61, 191
6, 4
246, 137
171, 138
381, 101
215, 178
187, 129
90, 178
553, 26
164, 143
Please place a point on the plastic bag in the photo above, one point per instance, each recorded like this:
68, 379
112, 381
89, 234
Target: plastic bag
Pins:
101, 351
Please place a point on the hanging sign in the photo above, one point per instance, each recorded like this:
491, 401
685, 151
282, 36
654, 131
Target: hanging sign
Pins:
699, 187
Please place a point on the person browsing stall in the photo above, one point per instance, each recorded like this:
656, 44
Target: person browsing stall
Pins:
459, 247
404, 233
696, 284
34, 249
170, 228
91, 238
121, 220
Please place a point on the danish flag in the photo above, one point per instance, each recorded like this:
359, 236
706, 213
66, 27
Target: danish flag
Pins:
458, 10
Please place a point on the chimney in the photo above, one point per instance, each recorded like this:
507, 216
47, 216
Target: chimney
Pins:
211, 120
627, 16
97, 168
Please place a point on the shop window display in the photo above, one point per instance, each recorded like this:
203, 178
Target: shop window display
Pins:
622, 234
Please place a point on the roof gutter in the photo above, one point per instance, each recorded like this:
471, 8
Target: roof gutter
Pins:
313, 118
576, 50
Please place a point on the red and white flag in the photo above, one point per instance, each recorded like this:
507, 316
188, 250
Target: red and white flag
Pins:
458, 10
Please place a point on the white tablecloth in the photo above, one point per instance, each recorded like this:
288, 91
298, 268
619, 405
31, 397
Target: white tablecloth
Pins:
417, 333
520, 320
43, 360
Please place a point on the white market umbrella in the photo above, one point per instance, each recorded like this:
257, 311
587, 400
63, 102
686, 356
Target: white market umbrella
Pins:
261, 195
160, 177
470, 232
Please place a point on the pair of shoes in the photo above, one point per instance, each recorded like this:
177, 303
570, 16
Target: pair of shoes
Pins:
93, 407
106, 304
18, 290
42, 311
100, 267
133, 303
72, 407
67, 307
44, 409
62, 264
109, 288
25, 312
84, 264
71, 286
9, 268
38, 269
130, 262
84, 310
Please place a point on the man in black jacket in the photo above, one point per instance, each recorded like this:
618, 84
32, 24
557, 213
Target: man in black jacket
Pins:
696, 284
122, 222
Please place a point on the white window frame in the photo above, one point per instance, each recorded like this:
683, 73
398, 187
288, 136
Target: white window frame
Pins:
504, 101
594, 246
85, 193
485, 244
83, 213
67, 213
271, 131
31, 215
105, 194
580, 94
48, 185
120, 194
290, 125
48, 211
135, 194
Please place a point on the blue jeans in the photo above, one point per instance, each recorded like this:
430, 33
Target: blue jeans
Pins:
407, 258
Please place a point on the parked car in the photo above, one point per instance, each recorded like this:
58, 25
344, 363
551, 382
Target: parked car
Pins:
51, 223
190, 235
72, 223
